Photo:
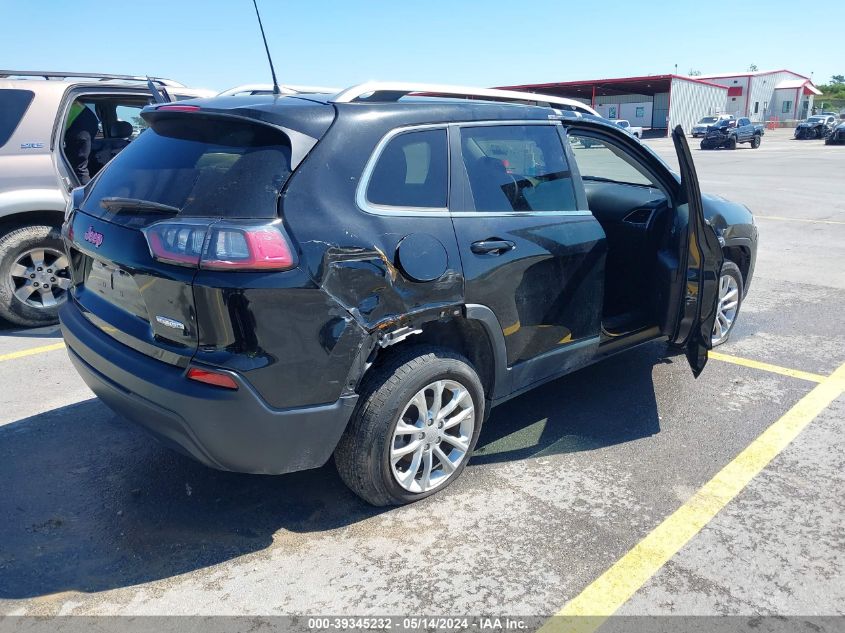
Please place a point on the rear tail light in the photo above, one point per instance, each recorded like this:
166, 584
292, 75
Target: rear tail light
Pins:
211, 377
223, 245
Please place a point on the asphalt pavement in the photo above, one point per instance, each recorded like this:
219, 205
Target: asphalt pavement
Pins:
567, 481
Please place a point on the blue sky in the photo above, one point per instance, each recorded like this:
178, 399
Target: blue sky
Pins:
216, 43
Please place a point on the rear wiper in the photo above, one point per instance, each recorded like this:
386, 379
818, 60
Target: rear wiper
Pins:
115, 202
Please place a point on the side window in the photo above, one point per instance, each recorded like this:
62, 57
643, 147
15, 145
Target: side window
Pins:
132, 115
744, 122
13, 105
603, 161
516, 168
412, 171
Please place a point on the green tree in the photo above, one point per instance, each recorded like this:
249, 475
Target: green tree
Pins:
837, 80
694, 73
752, 68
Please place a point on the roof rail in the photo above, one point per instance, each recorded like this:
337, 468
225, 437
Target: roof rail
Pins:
393, 91
47, 74
287, 89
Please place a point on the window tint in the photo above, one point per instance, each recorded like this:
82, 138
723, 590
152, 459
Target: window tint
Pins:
516, 168
13, 104
745, 122
201, 167
600, 160
412, 171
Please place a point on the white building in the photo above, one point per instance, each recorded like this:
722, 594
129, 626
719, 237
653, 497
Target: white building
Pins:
780, 95
655, 102
660, 102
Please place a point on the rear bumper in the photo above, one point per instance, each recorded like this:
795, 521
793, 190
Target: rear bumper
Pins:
226, 429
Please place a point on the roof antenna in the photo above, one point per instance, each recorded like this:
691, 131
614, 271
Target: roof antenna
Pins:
276, 90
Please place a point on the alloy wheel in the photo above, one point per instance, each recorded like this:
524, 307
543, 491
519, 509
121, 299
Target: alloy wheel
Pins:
727, 308
41, 277
432, 436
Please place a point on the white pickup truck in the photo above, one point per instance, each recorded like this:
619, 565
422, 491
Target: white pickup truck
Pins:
631, 129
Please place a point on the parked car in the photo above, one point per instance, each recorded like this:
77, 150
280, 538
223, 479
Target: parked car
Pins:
816, 126
634, 130
266, 282
700, 128
836, 135
36, 179
729, 133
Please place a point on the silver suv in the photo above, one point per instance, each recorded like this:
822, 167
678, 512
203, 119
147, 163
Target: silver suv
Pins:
36, 177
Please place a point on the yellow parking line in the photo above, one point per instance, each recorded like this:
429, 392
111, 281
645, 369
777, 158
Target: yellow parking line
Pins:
31, 351
775, 369
617, 585
782, 219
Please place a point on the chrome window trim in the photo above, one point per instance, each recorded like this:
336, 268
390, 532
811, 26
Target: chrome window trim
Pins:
517, 214
390, 210
443, 212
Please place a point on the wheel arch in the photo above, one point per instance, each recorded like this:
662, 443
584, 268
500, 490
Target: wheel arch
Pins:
741, 256
476, 334
12, 220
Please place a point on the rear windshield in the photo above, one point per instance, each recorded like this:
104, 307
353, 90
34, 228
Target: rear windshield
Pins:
13, 104
195, 166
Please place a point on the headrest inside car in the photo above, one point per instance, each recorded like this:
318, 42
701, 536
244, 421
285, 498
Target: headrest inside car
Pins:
121, 129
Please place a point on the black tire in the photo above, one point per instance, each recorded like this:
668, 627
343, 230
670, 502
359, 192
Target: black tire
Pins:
755, 141
12, 245
731, 144
363, 454
730, 268
703, 146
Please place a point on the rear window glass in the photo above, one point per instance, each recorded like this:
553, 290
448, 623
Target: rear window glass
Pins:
13, 105
196, 166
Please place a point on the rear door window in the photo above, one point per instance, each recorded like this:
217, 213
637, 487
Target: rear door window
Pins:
516, 168
194, 166
13, 105
411, 172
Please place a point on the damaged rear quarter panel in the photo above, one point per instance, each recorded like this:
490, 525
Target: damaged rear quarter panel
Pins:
350, 254
320, 320
254, 322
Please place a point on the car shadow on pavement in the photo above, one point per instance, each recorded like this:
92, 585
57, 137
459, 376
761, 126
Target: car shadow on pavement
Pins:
15, 331
91, 503
607, 403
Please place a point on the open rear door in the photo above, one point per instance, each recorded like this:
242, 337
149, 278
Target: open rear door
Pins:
703, 260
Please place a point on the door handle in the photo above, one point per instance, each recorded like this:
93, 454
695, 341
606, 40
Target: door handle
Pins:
492, 247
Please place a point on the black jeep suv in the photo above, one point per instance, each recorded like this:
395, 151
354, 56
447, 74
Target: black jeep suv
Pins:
264, 282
